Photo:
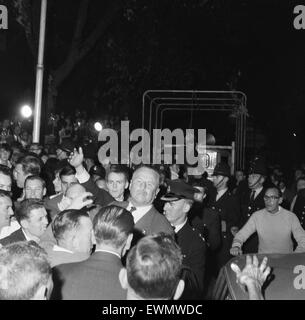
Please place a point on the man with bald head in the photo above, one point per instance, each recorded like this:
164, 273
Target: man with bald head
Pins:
74, 191
76, 198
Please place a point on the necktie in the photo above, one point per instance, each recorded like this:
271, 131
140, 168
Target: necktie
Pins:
132, 209
252, 196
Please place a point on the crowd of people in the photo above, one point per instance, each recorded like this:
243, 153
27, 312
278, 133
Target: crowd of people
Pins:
78, 229
78, 127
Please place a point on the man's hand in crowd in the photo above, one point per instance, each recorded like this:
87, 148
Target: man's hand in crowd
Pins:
76, 158
252, 276
81, 202
234, 231
236, 251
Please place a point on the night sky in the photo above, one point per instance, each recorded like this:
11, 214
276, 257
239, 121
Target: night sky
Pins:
186, 45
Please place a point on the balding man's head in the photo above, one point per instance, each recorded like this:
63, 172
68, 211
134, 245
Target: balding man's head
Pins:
74, 191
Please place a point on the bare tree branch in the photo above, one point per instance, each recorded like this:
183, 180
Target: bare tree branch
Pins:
116, 5
75, 56
81, 21
23, 8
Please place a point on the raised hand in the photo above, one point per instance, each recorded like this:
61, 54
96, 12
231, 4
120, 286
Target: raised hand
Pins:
76, 158
81, 202
253, 273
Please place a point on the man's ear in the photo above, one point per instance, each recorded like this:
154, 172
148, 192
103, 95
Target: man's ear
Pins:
41, 293
280, 200
24, 224
186, 207
179, 290
127, 244
123, 278
44, 191
157, 191
126, 185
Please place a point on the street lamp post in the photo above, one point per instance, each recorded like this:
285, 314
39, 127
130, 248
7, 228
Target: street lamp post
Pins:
39, 73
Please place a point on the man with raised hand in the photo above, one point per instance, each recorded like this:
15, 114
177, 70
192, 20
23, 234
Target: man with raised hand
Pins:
101, 196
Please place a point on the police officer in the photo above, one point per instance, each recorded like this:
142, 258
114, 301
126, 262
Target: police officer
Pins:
298, 203
226, 204
252, 199
179, 200
206, 221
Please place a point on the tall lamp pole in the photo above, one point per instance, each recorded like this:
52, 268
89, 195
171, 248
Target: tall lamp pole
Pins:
39, 73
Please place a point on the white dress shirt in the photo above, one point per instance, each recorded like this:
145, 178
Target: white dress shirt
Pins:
139, 212
180, 226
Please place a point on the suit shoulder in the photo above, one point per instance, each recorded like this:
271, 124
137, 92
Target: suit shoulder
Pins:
122, 204
13, 237
66, 268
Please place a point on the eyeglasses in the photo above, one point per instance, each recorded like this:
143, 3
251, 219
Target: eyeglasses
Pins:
271, 198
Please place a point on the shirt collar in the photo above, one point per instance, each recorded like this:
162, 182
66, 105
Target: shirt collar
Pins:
139, 209
221, 193
108, 251
180, 226
29, 237
257, 191
58, 248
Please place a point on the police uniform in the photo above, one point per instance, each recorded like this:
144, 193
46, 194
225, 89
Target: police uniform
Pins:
207, 222
193, 248
228, 209
299, 207
192, 244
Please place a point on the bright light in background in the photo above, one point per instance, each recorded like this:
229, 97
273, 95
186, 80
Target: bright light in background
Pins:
98, 126
294, 134
26, 111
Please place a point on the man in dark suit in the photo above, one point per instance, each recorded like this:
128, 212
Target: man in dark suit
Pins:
298, 203
226, 204
72, 230
26, 166
98, 277
252, 199
143, 188
287, 194
179, 200
32, 217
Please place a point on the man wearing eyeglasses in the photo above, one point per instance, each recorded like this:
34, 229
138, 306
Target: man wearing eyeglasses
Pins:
274, 226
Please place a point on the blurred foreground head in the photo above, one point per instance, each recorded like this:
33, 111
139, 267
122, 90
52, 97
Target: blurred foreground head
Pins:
25, 273
153, 269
